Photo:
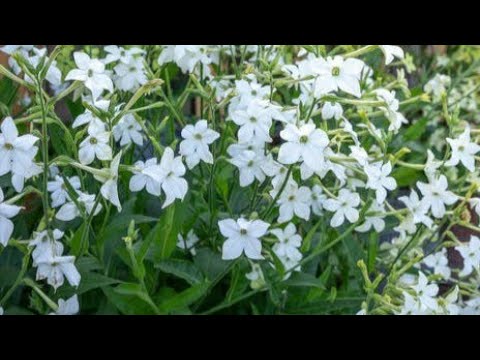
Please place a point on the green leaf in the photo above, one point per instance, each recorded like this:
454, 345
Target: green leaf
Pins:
416, 130
127, 304
304, 280
307, 241
406, 176
182, 269
92, 280
78, 245
210, 263
165, 234
185, 298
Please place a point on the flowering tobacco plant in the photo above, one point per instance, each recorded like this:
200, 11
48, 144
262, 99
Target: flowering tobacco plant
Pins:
247, 179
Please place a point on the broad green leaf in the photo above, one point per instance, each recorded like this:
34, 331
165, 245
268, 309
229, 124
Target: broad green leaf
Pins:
210, 262
185, 298
182, 269
127, 304
304, 280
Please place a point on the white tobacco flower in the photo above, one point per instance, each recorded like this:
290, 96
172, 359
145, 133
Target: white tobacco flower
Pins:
59, 190
439, 263
140, 180
426, 293
46, 246
70, 211
288, 242
243, 236
6, 225
249, 164
359, 154
411, 305
431, 165
379, 180
109, 180
256, 277
188, 242
96, 145
194, 147
56, 268
437, 86
116, 53
391, 52
249, 91
255, 123
294, 201
92, 73
16, 152
67, 307
475, 204
18, 179
53, 75
305, 143
373, 219
418, 209
131, 75
463, 150
332, 111
90, 118
337, 73
128, 130
170, 174
344, 206
436, 195
470, 253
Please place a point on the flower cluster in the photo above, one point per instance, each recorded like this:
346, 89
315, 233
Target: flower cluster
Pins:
316, 167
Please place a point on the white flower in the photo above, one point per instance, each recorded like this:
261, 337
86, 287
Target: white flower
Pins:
169, 173
131, 75
418, 209
194, 147
116, 53
373, 218
379, 180
1, 311
91, 119
475, 204
437, 86
431, 165
471, 255
249, 163
294, 201
439, 263
391, 51
411, 305
109, 179
249, 91
70, 211
303, 144
53, 75
288, 242
45, 246
56, 268
242, 236
337, 73
59, 189
256, 277
344, 206
128, 130
18, 180
140, 180
436, 195
16, 152
318, 198
92, 73
188, 243
463, 150
95, 145
68, 307
6, 225
255, 122
426, 293
359, 154
332, 111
